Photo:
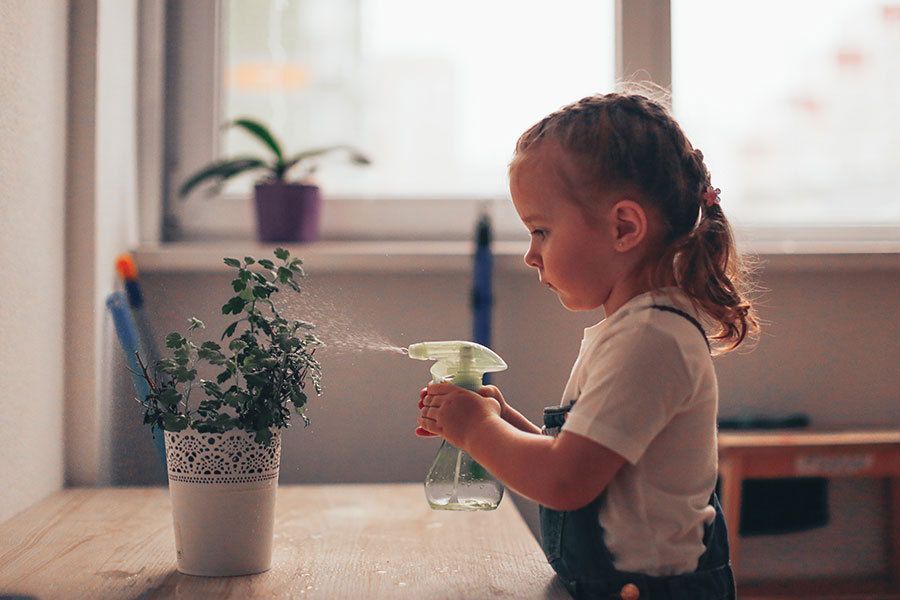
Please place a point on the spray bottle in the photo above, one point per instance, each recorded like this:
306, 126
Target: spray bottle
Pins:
456, 481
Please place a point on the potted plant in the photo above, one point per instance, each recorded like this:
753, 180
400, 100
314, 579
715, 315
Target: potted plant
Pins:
222, 437
288, 205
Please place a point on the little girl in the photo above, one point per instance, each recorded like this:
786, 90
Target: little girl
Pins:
622, 215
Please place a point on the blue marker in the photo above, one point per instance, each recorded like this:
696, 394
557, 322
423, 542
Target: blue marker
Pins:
128, 338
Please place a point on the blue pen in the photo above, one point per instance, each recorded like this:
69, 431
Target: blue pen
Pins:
128, 338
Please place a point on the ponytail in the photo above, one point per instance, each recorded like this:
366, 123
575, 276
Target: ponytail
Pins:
707, 267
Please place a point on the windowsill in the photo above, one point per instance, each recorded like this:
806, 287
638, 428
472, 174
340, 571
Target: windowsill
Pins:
456, 256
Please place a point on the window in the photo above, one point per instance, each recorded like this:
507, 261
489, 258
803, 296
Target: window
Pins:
434, 93
792, 103
795, 104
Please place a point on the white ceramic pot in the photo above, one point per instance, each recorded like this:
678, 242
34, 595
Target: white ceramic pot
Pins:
222, 487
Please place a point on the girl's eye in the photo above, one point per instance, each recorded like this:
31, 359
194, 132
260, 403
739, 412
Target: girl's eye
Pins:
537, 232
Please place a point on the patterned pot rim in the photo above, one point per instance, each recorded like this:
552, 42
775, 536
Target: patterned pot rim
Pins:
217, 458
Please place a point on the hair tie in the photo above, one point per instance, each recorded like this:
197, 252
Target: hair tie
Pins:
711, 195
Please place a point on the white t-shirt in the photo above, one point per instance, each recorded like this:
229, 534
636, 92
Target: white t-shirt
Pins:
646, 389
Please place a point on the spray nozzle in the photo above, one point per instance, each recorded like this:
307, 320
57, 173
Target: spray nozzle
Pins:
462, 363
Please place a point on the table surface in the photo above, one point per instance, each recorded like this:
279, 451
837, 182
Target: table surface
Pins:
331, 541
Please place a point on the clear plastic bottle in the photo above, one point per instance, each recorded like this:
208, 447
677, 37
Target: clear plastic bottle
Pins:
455, 481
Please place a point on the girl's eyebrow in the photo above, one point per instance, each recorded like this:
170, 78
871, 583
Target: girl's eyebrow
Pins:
531, 218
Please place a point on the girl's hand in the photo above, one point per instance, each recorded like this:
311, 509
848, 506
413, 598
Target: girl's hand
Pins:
488, 391
453, 412
492, 391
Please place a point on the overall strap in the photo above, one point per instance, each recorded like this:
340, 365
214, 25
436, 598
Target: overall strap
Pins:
681, 313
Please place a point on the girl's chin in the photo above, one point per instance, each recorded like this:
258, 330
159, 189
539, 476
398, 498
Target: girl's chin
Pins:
571, 305
574, 304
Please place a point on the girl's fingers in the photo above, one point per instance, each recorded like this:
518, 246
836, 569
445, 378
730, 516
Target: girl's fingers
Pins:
430, 401
490, 391
427, 424
435, 389
426, 401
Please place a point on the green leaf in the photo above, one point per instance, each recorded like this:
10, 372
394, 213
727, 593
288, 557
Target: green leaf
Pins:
261, 132
234, 399
281, 253
265, 327
235, 305
285, 275
232, 262
298, 398
211, 387
249, 260
182, 356
264, 436
174, 422
166, 365
174, 340
184, 375
223, 377
238, 285
260, 291
169, 397
220, 171
266, 263
356, 157
213, 355
229, 331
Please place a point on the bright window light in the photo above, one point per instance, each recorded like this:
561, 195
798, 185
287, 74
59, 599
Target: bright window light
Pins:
795, 105
436, 93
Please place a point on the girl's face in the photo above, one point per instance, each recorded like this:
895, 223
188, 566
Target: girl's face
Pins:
575, 257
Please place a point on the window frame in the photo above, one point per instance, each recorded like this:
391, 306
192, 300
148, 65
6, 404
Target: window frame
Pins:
180, 66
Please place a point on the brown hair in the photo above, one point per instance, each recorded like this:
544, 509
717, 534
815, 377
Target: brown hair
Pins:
628, 141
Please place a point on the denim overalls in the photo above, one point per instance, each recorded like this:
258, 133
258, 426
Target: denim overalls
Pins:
573, 543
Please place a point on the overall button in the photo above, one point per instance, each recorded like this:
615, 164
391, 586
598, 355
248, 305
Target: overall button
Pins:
629, 591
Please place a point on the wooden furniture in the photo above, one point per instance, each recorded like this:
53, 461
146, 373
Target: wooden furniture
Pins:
331, 541
799, 453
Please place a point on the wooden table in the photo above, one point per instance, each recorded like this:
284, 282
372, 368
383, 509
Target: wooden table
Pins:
799, 453
331, 541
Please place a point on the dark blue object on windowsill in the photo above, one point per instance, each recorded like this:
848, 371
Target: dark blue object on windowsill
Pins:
482, 293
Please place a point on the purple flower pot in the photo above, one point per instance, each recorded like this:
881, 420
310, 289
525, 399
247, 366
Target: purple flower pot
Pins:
287, 212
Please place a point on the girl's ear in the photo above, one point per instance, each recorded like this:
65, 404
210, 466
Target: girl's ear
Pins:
630, 224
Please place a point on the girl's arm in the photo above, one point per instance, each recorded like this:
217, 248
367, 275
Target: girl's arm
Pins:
507, 412
562, 473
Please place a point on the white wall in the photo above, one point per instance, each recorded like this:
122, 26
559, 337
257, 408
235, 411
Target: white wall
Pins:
101, 220
32, 205
829, 349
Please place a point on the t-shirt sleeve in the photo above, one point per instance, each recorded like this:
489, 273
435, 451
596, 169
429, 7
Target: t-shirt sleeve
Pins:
635, 382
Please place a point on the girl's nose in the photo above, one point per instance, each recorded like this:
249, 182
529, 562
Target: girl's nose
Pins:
533, 258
